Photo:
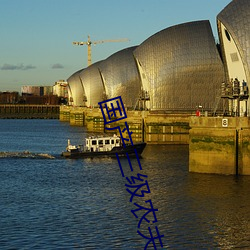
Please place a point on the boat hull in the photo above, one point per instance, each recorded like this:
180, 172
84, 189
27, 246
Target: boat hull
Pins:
120, 151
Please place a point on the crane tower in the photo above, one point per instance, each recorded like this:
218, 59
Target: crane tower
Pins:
89, 43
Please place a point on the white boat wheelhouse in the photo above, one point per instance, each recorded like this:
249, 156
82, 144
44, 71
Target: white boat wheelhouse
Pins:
102, 143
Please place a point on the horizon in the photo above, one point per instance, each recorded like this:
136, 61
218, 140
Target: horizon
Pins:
36, 37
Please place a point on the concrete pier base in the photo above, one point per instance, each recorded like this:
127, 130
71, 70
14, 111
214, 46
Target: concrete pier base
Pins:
64, 114
152, 128
216, 145
219, 145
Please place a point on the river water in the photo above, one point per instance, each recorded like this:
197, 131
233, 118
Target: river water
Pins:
47, 202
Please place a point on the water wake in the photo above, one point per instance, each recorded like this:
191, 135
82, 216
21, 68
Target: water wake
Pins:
26, 154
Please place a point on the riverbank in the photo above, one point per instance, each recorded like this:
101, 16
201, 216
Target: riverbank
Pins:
25, 111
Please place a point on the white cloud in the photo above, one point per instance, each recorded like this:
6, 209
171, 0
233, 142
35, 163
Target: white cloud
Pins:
57, 66
21, 66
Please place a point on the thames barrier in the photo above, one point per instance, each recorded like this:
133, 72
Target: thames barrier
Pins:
218, 145
173, 74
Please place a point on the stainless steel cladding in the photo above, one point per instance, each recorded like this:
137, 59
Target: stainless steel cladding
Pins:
75, 90
234, 32
93, 85
121, 77
177, 69
180, 67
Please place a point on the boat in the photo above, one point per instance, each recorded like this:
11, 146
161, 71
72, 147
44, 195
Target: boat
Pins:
103, 146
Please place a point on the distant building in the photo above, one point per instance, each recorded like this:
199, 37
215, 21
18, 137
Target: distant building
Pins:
37, 90
47, 90
9, 97
30, 90
38, 95
60, 89
40, 100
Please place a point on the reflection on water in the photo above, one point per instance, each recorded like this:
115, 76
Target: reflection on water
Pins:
198, 210
83, 204
223, 202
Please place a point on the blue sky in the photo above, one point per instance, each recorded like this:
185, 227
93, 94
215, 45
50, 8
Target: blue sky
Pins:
36, 35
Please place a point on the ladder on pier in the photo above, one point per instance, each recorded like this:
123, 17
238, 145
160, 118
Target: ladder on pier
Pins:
217, 101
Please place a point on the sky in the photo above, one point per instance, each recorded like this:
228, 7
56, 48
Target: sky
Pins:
36, 35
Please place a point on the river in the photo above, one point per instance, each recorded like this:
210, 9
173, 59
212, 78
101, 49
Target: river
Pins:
48, 202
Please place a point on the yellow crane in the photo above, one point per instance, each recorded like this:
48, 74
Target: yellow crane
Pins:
89, 43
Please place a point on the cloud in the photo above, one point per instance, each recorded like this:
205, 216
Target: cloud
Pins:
29, 67
57, 66
21, 66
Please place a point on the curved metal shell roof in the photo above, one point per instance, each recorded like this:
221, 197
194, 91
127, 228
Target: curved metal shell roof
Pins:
121, 77
181, 67
75, 87
93, 85
236, 18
